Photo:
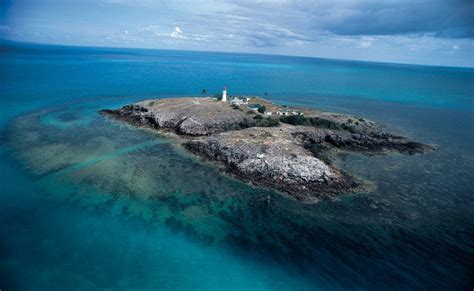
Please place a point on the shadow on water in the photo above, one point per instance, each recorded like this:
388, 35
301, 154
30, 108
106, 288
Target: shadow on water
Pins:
406, 233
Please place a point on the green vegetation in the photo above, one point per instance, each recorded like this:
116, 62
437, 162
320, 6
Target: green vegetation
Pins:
316, 122
151, 103
261, 121
296, 120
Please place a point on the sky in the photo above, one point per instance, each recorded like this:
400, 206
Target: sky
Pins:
434, 32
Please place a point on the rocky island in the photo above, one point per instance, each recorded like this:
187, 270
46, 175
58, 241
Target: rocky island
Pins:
283, 148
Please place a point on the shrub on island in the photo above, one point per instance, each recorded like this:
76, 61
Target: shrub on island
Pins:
316, 122
261, 121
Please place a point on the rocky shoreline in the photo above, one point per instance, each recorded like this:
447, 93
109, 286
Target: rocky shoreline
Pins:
285, 153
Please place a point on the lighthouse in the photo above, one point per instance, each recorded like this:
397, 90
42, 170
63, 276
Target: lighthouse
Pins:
224, 95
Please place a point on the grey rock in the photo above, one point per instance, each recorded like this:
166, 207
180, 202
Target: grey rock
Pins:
273, 157
187, 116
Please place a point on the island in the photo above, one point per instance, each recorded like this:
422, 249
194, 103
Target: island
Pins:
287, 149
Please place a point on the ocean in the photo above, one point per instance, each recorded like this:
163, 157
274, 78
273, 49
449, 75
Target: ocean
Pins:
88, 203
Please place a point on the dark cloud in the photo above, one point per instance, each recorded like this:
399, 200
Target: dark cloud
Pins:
451, 19
444, 19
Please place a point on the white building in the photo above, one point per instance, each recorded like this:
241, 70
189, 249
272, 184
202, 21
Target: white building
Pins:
237, 101
224, 95
288, 112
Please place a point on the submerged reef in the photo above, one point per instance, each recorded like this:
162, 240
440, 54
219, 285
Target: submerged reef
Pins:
286, 149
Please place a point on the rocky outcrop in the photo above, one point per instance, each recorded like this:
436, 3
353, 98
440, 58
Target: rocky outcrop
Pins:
187, 116
272, 157
290, 157
371, 142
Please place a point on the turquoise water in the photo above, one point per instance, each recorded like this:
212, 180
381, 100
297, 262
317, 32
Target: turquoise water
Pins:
90, 204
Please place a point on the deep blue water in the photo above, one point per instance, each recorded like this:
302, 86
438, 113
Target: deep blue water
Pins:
88, 204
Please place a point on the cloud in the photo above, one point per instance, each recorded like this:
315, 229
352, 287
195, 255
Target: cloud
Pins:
234, 29
444, 19
387, 31
440, 18
153, 30
366, 29
288, 23
366, 42
177, 33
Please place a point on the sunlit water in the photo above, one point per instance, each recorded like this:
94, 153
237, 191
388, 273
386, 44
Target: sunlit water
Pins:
89, 203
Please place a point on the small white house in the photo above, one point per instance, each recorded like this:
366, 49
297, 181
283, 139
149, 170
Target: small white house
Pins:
288, 112
237, 101
284, 113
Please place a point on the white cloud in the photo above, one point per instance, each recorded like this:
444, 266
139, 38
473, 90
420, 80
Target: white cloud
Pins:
177, 33
365, 42
154, 30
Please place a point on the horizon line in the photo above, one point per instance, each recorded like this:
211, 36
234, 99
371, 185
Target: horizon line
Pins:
2, 40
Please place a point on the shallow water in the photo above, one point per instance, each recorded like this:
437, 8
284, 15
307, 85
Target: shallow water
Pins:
90, 203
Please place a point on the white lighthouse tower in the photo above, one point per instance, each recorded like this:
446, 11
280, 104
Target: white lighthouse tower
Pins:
224, 95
